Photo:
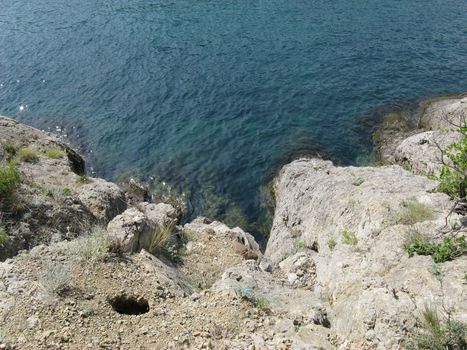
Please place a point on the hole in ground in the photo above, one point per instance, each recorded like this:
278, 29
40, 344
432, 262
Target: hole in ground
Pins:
129, 305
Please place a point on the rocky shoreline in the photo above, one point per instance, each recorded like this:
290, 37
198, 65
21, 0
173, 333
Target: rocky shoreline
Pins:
91, 265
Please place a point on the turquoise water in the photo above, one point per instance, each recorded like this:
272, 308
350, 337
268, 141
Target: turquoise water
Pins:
213, 95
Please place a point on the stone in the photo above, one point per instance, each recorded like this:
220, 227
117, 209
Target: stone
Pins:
104, 199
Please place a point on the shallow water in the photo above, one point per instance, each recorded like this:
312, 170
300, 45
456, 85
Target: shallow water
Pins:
212, 95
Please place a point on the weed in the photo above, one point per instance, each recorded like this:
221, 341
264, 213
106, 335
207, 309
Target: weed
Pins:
89, 247
285, 256
248, 294
66, 191
10, 179
357, 180
414, 212
448, 249
55, 153
455, 225
3, 235
453, 176
84, 180
11, 149
294, 232
349, 237
28, 155
299, 245
332, 243
437, 334
435, 269
55, 278
160, 236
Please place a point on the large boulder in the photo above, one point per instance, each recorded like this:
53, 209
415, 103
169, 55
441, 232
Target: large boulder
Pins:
422, 152
104, 199
134, 230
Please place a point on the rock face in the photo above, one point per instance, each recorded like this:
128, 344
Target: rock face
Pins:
56, 200
352, 224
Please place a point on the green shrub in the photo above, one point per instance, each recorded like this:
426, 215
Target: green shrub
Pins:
357, 180
332, 243
453, 177
437, 334
248, 294
349, 237
10, 179
11, 149
28, 155
3, 235
55, 153
448, 249
84, 180
299, 245
66, 191
414, 212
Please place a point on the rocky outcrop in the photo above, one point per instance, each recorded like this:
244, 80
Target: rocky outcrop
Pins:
352, 224
418, 146
55, 200
335, 273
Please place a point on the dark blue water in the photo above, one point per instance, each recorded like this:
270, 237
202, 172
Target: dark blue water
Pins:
212, 95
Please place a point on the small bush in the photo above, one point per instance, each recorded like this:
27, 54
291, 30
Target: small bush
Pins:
11, 149
453, 176
10, 179
66, 191
438, 335
349, 238
332, 243
28, 155
436, 270
248, 294
3, 235
55, 278
414, 212
90, 247
84, 180
299, 245
448, 249
55, 153
357, 180
294, 232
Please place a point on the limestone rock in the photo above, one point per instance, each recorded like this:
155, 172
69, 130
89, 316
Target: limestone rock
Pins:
421, 153
357, 221
134, 230
127, 231
104, 199
417, 147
